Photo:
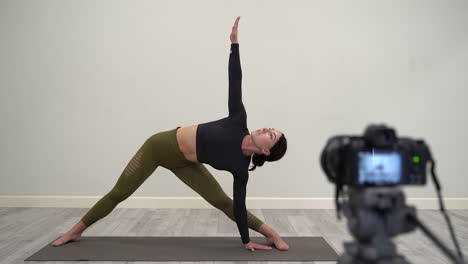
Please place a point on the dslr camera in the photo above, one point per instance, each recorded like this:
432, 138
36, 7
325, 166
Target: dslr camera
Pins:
367, 171
377, 158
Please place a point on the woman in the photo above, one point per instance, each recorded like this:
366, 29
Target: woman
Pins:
225, 144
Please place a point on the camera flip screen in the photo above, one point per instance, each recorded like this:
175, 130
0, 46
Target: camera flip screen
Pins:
379, 167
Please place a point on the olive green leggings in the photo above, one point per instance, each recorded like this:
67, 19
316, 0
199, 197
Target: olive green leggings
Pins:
162, 149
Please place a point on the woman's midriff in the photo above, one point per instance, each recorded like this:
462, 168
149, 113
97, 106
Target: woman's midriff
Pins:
186, 138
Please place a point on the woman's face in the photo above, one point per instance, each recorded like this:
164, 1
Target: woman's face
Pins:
265, 138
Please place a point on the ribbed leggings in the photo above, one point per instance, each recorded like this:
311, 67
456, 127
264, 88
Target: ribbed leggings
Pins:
162, 149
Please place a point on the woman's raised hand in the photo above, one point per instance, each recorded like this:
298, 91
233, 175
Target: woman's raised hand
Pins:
234, 31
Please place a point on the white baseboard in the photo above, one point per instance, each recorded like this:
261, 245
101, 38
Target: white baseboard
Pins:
198, 202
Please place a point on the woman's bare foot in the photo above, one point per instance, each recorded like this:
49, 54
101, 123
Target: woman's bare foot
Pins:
66, 238
278, 242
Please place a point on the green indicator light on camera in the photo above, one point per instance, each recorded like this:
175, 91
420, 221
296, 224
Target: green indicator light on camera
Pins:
416, 159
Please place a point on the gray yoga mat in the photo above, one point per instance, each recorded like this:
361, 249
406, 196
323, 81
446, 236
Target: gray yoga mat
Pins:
120, 248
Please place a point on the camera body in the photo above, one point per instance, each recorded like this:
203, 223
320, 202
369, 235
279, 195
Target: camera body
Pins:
378, 158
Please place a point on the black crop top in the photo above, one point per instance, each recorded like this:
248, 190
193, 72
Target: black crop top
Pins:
218, 143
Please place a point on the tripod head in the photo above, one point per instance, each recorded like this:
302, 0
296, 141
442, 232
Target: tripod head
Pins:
375, 215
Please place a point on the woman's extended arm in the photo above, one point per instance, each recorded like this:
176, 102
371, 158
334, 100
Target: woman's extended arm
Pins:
235, 76
240, 211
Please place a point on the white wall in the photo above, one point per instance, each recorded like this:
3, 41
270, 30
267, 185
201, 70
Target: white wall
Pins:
84, 83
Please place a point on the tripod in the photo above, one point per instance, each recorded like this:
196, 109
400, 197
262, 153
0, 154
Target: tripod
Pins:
375, 215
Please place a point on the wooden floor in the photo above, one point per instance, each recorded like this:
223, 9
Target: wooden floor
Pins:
23, 231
